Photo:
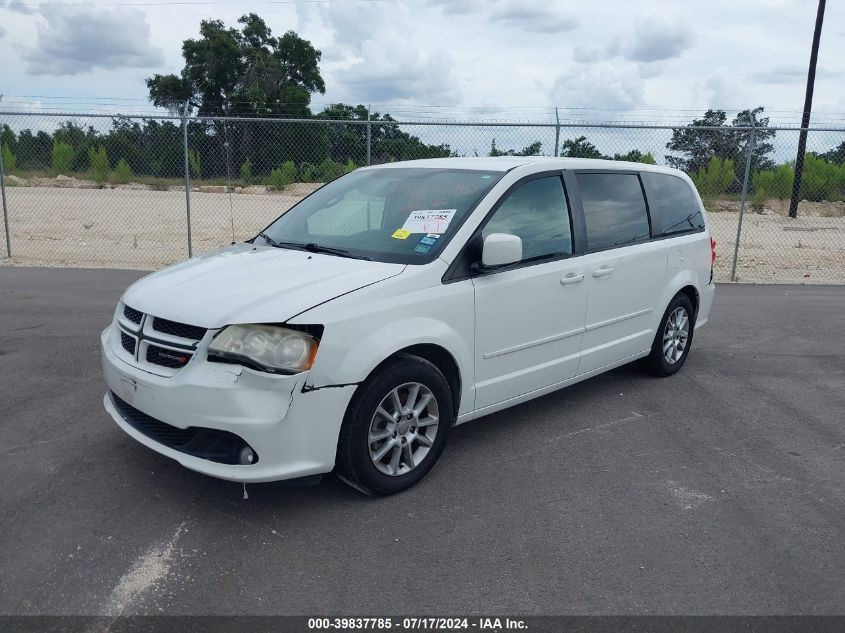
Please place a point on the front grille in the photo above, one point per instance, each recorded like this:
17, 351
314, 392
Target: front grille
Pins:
132, 314
211, 444
167, 357
127, 342
178, 329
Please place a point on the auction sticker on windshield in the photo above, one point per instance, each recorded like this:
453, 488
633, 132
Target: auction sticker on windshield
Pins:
429, 221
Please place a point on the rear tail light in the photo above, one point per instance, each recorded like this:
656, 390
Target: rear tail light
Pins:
712, 253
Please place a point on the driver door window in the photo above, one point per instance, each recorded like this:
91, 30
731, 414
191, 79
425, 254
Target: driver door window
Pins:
537, 213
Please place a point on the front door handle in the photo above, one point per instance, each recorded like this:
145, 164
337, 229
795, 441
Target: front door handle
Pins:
604, 271
571, 279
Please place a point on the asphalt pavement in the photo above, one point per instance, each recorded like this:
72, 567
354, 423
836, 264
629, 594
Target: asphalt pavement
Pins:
720, 490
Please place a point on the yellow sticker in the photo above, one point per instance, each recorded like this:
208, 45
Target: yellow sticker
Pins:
401, 234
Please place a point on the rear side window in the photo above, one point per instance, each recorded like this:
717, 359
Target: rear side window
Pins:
678, 206
614, 209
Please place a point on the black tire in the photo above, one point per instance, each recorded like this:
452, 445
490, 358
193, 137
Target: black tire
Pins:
656, 362
354, 463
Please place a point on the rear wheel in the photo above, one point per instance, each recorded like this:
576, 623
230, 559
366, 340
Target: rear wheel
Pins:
673, 338
395, 427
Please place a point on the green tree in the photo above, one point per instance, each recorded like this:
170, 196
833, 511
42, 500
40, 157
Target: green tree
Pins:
62, 158
773, 183
387, 141
715, 178
697, 146
194, 163
305, 173
836, 155
246, 171
329, 170
636, 156
282, 176
533, 149
122, 172
580, 148
98, 163
10, 161
242, 70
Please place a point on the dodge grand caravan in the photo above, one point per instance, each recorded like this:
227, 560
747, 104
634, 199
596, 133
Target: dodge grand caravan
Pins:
403, 299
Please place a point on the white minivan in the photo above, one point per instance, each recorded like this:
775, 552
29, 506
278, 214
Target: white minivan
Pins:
400, 300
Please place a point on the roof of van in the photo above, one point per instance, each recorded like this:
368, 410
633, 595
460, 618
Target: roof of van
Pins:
506, 163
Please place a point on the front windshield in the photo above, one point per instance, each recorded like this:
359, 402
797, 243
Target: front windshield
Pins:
396, 214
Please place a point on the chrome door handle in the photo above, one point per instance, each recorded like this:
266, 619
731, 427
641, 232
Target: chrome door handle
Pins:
571, 279
604, 271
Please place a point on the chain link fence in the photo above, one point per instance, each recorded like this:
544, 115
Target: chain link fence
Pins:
144, 192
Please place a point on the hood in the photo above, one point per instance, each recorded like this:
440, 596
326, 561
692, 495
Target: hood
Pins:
251, 284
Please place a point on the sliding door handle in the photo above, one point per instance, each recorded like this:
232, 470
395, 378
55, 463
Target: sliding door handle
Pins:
604, 271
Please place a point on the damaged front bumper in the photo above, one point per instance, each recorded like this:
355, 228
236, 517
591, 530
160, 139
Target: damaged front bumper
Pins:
293, 431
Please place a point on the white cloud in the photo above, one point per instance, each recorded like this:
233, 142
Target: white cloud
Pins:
388, 76
379, 57
600, 85
19, 7
531, 15
655, 40
79, 39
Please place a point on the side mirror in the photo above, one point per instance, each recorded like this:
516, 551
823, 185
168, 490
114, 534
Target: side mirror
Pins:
501, 249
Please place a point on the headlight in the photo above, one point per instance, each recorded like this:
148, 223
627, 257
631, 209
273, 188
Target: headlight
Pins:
269, 348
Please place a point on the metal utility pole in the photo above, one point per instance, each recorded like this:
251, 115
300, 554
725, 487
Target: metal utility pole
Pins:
369, 134
805, 117
557, 133
748, 154
187, 175
5, 209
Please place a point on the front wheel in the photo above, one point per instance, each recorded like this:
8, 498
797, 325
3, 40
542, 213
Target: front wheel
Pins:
395, 427
673, 338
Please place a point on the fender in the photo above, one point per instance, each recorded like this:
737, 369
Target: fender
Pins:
681, 279
368, 351
364, 328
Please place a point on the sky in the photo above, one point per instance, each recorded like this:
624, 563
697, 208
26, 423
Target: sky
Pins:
648, 60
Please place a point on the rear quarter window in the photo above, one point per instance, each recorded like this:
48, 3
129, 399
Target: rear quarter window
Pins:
677, 204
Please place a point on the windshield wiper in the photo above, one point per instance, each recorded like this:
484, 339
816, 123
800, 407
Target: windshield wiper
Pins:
269, 239
313, 247
331, 250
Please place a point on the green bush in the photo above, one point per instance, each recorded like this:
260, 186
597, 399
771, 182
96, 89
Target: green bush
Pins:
714, 178
10, 161
350, 166
289, 172
822, 180
98, 161
281, 177
773, 183
62, 158
306, 172
195, 164
246, 172
122, 172
330, 170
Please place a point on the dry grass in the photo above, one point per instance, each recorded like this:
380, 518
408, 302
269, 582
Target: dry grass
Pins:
144, 229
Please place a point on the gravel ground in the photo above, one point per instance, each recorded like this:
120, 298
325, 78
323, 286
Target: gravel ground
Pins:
717, 491
124, 228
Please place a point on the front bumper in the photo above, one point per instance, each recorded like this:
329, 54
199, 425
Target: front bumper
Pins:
293, 432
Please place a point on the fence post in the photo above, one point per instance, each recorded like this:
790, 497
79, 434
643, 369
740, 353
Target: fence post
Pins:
369, 135
187, 175
3, 194
557, 133
742, 198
